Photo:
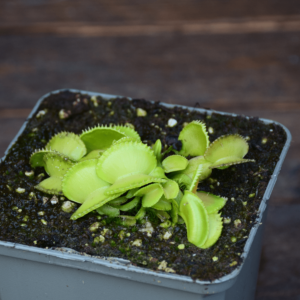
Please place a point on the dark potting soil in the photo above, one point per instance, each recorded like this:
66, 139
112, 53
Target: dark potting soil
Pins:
26, 219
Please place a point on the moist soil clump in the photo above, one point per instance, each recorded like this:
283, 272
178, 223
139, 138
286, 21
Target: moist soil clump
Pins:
31, 218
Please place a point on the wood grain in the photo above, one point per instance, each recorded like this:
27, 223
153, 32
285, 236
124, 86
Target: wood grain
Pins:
264, 24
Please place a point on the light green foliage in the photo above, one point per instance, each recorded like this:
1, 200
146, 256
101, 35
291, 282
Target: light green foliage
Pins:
141, 213
100, 137
195, 216
128, 132
131, 193
94, 200
171, 189
125, 159
174, 163
151, 194
130, 205
56, 166
124, 139
131, 182
109, 170
92, 155
158, 172
37, 158
81, 180
108, 210
127, 220
193, 173
157, 147
227, 150
174, 211
211, 202
118, 201
68, 144
162, 204
194, 139
162, 215
215, 229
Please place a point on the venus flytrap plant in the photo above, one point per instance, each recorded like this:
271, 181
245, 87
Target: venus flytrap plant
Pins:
109, 170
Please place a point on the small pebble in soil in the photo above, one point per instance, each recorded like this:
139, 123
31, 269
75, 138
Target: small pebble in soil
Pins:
29, 173
172, 122
20, 190
141, 112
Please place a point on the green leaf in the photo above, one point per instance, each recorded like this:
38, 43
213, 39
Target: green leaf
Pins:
127, 220
162, 205
141, 213
92, 155
183, 180
108, 211
195, 217
158, 172
162, 215
174, 211
94, 200
157, 147
151, 194
211, 202
130, 205
68, 144
131, 182
227, 150
51, 185
171, 189
194, 139
131, 193
118, 201
215, 230
128, 131
192, 174
81, 180
195, 180
124, 139
125, 159
174, 163
100, 137
225, 162
56, 165
193, 166
179, 197
37, 158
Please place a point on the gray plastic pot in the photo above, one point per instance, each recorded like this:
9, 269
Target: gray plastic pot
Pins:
28, 272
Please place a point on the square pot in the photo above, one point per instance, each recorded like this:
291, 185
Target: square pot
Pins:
33, 273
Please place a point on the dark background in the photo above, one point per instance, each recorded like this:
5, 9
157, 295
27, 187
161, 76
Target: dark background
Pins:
238, 56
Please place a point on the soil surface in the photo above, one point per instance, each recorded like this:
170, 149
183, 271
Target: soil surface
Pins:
30, 220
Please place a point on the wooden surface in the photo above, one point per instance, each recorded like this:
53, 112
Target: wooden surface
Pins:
235, 56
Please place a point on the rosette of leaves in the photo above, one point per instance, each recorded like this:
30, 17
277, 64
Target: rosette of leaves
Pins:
109, 170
